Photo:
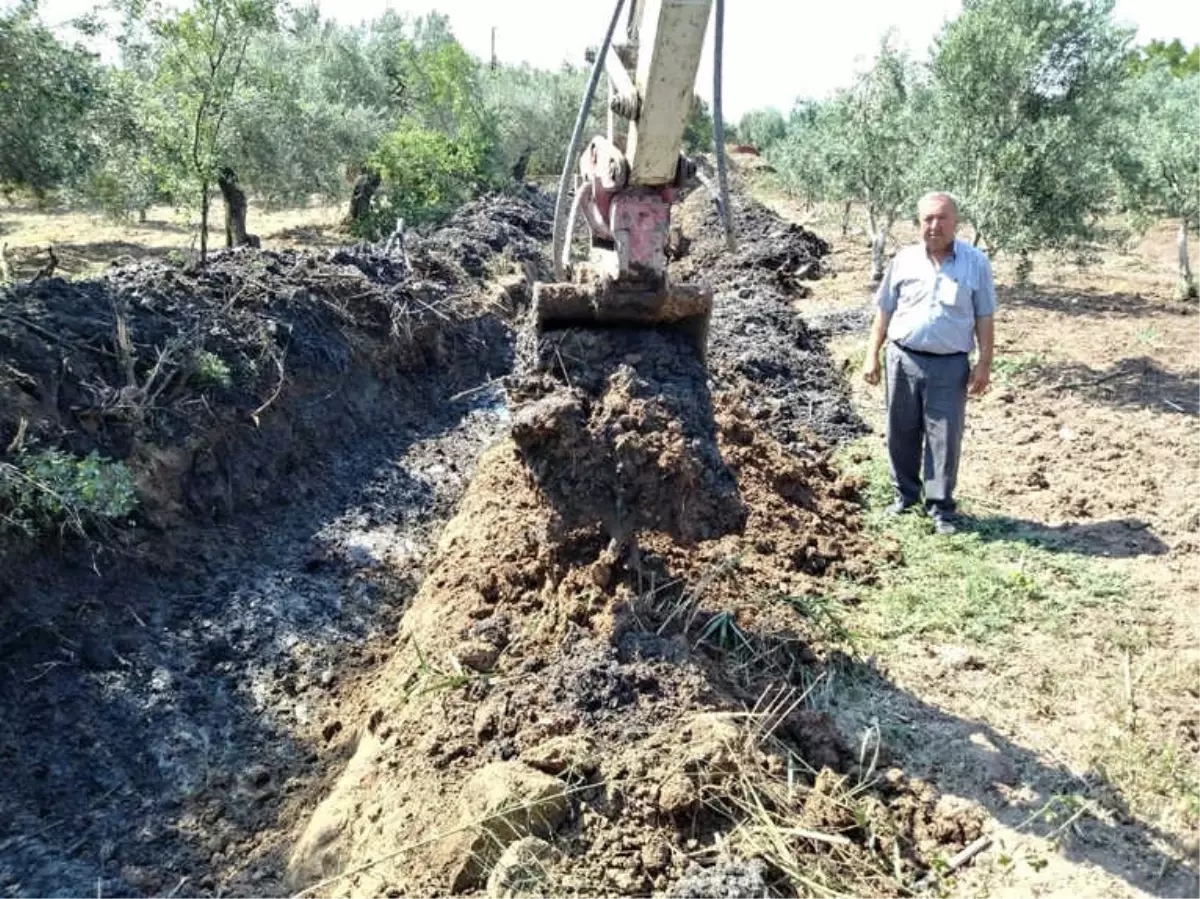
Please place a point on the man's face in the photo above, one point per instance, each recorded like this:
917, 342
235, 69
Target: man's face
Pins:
938, 223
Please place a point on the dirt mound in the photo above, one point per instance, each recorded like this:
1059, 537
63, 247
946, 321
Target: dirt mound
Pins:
616, 427
198, 377
760, 343
632, 703
171, 703
603, 677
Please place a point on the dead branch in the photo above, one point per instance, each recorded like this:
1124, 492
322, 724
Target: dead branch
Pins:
274, 396
1092, 382
124, 345
19, 440
50, 335
959, 860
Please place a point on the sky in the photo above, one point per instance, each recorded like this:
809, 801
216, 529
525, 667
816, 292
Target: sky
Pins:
775, 50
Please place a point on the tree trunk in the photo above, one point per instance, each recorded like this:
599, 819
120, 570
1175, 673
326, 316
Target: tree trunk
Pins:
364, 189
879, 248
518, 170
203, 220
142, 216
235, 208
1024, 268
1187, 284
846, 218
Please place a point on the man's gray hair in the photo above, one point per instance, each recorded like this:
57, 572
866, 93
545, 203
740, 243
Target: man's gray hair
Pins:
939, 195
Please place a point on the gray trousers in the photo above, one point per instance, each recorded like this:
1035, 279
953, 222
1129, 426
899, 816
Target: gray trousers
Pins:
926, 399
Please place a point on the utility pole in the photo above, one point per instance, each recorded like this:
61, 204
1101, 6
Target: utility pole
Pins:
494, 62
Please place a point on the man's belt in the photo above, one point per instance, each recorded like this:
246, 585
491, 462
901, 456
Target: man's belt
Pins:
926, 353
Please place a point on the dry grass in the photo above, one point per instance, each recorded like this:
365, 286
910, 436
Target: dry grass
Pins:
87, 243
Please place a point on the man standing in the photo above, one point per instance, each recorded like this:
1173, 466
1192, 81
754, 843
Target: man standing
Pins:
935, 301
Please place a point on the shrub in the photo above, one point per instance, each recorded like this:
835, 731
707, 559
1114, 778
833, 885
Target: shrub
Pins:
50, 489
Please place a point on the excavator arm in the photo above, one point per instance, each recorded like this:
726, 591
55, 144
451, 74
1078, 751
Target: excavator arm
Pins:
628, 180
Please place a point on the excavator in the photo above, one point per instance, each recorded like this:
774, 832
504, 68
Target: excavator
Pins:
623, 185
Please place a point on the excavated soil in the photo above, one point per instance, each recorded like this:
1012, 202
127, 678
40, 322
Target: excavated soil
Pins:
295, 670
601, 680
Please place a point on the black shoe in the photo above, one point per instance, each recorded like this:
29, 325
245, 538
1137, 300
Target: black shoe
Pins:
944, 526
899, 507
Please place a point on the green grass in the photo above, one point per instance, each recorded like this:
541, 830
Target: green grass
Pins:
985, 584
1009, 370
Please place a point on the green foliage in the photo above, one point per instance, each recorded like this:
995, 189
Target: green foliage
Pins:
1026, 96
762, 128
1158, 160
47, 92
211, 370
534, 111
124, 176
1177, 59
698, 129
49, 490
199, 78
293, 86
866, 144
425, 174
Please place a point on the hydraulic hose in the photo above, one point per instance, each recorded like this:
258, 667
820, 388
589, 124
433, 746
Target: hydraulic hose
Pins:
719, 126
560, 202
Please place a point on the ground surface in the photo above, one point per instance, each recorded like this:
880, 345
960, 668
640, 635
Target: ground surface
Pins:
86, 244
309, 691
1067, 639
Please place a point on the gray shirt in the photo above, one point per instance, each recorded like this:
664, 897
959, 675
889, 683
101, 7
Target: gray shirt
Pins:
934, 308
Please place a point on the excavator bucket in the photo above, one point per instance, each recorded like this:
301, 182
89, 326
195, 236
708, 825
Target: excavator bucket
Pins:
685, 308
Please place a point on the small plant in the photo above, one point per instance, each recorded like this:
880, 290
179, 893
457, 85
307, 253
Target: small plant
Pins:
177, 258
1009, 369
51, 489
212, 371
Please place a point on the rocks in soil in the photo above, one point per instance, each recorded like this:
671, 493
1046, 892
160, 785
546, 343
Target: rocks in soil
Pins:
726, 880
524, 868
501, 803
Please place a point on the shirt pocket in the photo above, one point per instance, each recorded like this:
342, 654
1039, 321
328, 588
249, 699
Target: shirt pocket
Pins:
957, 298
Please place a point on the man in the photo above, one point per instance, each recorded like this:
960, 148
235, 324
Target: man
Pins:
936, 300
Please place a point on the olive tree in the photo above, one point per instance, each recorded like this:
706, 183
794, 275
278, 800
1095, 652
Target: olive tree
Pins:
47, 93
199, 80
1027, 94
864, 145
1159, 158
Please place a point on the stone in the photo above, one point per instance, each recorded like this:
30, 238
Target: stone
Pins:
677, 794
501, 803
478, 655
523, 869
569, 754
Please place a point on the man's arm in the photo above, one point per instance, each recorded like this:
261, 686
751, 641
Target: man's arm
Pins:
984, 300
981, 374
874, 344
885, 306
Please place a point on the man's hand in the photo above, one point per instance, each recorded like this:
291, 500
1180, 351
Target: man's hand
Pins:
870, 370
981, 378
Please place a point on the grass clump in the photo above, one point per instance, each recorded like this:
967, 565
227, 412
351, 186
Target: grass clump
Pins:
995, 577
